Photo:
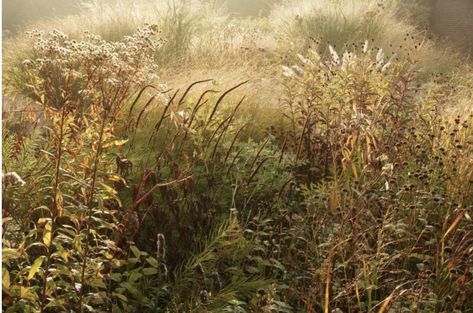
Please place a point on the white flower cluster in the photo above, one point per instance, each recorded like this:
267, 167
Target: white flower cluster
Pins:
93, 63
347, 60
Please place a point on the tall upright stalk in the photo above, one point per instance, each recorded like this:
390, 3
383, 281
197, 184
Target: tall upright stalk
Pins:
55, 211
90, 201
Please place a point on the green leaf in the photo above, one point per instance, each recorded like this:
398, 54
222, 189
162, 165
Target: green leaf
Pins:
150, 271
120, 296
152, 261
35, 267
97, 283
37, 244
282, 307
135, 251
116, 277
132, 290
252, 270
134, 277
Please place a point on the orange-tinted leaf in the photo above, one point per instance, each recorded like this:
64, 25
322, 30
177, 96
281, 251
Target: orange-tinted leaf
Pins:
455, 224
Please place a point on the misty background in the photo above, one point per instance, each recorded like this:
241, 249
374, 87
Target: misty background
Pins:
452, 19
18, 13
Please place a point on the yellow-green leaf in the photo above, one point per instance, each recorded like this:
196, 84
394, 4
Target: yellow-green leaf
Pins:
150, 271
152, 261
78, 244
8, 254
64, 255
26, 293
120, 296
47, 234
5, 279
35, 267
108, 189
135, 251
43, 221
116, 178
116, 143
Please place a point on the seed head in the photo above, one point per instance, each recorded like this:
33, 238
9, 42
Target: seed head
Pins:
205, 296
216, 282
160, 247
199, 270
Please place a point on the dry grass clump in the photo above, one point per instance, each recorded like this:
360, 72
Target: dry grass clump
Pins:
341, 22
346, 24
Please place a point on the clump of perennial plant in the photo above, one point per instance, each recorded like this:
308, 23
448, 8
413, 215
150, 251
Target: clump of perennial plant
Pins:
91, 71
336, 102
82, 86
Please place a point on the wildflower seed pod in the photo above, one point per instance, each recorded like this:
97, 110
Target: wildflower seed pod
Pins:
160, 247
216, 282
204, 297
263, 302
261, 292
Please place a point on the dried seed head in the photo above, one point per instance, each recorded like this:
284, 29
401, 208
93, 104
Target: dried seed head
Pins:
12, 179
160, 247
199, 270
216, 282
204, 296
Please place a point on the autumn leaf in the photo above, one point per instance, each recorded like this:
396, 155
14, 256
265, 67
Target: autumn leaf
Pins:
455, 224
35, 267
116, 143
